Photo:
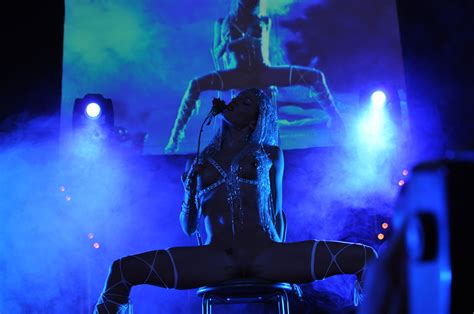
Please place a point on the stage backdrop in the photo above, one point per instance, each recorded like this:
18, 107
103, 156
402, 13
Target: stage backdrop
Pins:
142, 55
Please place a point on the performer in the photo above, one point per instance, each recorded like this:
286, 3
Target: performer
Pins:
236, 188
241, 39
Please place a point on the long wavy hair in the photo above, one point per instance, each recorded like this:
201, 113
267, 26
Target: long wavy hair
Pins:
246, 7
266, 130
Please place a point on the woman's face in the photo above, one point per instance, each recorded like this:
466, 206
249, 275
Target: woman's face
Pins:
244, 110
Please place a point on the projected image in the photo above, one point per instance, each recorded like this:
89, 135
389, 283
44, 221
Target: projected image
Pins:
163, 62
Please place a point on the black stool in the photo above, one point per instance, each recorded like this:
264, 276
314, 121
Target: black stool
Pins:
249, 290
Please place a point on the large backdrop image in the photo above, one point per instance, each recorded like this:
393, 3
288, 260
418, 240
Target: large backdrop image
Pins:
144, 55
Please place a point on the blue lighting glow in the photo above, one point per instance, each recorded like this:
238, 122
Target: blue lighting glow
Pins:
378, 99
376, 130
93, 110
373, 126
445, 275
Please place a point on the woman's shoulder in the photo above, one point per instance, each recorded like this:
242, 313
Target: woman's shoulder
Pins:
189, 161
274, 152
265, 19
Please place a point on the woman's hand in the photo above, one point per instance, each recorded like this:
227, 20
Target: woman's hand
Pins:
189, 179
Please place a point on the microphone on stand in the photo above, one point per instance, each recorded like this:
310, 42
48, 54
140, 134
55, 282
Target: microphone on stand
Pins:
219, 106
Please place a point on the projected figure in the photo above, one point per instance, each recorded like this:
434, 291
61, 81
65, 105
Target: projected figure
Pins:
236, 187
241, 39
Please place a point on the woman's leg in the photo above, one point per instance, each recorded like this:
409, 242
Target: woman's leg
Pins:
178, 268
219, 80
306, 261
292, 75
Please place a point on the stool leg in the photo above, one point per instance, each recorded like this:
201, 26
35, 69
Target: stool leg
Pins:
281, 308
206, 304
284, 304
280, 303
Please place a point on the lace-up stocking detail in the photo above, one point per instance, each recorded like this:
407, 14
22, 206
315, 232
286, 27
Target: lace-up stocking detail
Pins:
128, 272
316, 82
339, 258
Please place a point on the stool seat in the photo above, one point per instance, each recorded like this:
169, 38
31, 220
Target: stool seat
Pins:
245, 290
244, 287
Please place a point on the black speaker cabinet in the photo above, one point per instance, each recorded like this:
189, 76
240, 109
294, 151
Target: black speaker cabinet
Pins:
427, 267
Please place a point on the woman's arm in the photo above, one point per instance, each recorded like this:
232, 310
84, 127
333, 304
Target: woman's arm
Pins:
219, 46
190, 211
276, 183
266, 26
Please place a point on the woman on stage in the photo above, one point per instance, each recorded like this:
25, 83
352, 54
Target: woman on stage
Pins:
236, 188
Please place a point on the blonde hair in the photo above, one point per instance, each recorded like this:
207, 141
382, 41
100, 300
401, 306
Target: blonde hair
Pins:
266, 130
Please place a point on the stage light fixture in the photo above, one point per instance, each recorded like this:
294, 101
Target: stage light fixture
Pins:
378, 99
93, 110
94, 128
379, 106
382, 98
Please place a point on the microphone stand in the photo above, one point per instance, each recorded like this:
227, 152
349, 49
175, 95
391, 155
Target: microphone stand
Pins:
209, 117
218, 106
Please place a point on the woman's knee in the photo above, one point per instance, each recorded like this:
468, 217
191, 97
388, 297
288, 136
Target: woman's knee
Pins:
317, 76
371, 253
115, 267
364, 254
121, 268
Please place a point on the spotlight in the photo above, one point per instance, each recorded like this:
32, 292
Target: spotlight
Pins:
380, 96
378, 99
379, 118
93, 109
94, 128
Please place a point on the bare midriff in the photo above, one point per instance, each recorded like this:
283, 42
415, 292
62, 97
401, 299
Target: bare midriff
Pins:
218, 220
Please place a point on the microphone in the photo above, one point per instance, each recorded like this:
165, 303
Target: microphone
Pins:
219, 106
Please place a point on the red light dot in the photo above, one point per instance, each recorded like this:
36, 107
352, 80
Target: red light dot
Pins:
405, 172
96, 245
62, 188
90, 235
401, 182
385, 225
68, 198
380, 236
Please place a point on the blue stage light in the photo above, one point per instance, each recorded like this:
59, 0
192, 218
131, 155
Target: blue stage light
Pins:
378, 99
93, 110
376, 127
